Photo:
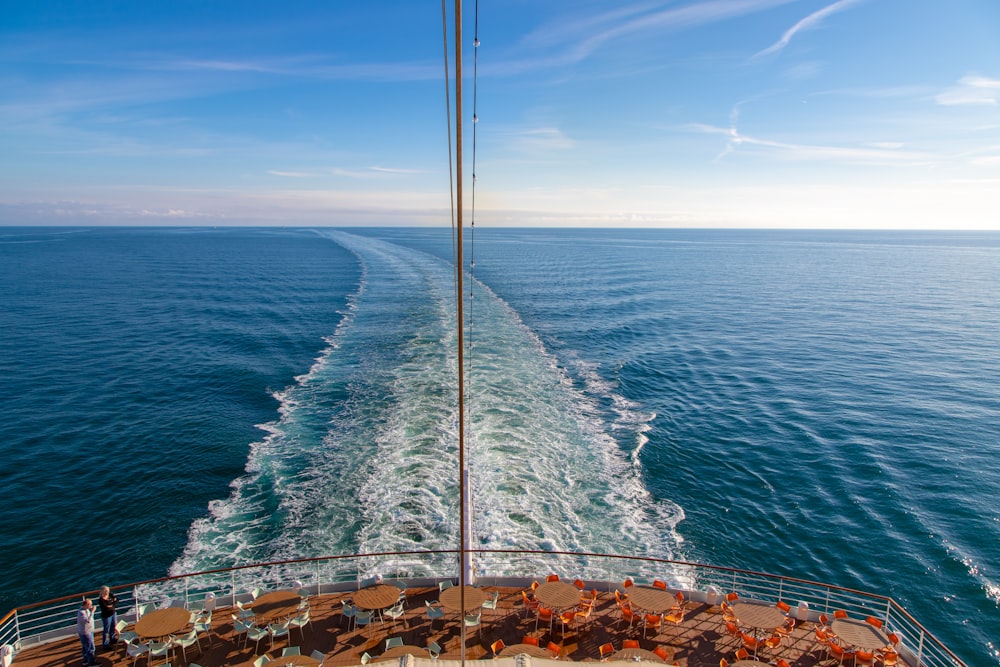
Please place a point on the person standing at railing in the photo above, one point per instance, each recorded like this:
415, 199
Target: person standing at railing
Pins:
85, 629
109, 617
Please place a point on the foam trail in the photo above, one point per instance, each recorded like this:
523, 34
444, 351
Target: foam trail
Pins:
363, 456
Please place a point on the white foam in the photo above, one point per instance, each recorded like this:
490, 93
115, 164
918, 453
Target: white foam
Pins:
363, 454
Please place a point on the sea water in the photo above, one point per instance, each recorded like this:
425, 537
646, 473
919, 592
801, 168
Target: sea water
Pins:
824, 405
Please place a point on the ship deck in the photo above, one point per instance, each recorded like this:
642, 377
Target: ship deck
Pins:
699, 641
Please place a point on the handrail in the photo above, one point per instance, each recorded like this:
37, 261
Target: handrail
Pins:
44, 621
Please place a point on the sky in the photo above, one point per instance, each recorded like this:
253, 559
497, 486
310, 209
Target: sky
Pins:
877, 114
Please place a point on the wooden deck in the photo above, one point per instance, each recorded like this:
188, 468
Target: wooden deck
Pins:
700, 641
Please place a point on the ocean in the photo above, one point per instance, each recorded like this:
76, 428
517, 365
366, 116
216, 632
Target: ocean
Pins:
817, 404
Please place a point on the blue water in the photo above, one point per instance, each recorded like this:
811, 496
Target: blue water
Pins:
817, 404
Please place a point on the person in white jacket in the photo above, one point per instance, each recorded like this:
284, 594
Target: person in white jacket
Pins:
85, 629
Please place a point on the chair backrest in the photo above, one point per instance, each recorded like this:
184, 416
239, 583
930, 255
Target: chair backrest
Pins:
871, 620
554, 649
365, 658
732, 597
530, 640
579, 584
497, 646
840, 613
782, 663
783, 606
260, 661
362, 617
742, 654
552, 577
628, 583
433, 649
662, 653
723, 662
662, 585
893, 638
606, 649
393, 641
630, 643
290, 650
444, 585
318, 655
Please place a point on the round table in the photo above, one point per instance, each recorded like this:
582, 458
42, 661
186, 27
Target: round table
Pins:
636, 654
294, 661
450, 598
525, 649
759, 616
161, 623
397, 652
379, 596
651, 599
859, 634
557, 595
275, 606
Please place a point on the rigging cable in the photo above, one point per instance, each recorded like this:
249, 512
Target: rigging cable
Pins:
472, 221
447, 108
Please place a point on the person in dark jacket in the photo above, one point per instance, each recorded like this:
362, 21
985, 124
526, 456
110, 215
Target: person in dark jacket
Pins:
109, 617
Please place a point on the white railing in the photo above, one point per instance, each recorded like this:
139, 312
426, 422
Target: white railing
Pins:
45, 621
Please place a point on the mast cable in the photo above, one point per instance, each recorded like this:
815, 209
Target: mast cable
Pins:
460, 317
447, 110
472, 226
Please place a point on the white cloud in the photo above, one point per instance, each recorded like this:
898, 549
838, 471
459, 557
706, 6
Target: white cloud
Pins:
542, 139
290, 174
971, 90
873, 153
396, 170
810, 21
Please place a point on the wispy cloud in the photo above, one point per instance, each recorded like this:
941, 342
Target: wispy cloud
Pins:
396, 170
372, 172
290, 174
808, 22
972, 90
692, 15
542, 139
876, 153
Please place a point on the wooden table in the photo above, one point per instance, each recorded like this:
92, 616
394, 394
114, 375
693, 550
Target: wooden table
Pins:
275, 606
636, 654
450, 598
161, 623
749, 663
379, 596
525, 649
293, 661
651, 599
558, 595
762, 616
397, 652
859, 634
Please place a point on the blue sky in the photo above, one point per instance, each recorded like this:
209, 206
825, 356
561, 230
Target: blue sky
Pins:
731, 113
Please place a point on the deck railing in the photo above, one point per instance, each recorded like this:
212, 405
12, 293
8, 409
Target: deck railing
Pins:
53, 619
